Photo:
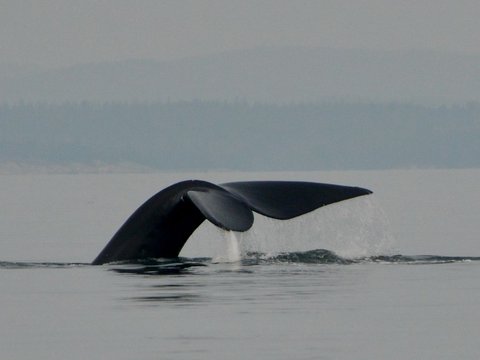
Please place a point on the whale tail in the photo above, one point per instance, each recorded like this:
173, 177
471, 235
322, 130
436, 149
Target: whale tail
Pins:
160, 227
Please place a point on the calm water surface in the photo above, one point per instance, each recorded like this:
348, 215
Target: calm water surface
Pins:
310, 305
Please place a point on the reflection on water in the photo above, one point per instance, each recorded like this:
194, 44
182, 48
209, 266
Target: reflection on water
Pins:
183, 265
178, 299
318, 256
291, 305
39, 265
257, 279
161, 268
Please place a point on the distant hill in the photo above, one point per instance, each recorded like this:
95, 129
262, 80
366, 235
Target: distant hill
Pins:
269, 75
237, 136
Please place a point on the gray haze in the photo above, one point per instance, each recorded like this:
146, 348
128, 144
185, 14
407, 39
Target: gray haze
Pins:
240, 84
237, 136
54, 33
268, 75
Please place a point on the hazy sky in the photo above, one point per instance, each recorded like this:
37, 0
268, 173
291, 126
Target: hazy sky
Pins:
64, 32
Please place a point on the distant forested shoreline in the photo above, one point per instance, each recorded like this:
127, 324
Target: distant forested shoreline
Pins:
202, 135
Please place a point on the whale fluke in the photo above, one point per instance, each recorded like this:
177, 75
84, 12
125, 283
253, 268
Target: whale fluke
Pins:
160, 227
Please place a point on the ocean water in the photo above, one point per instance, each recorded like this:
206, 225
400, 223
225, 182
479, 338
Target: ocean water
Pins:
388, 276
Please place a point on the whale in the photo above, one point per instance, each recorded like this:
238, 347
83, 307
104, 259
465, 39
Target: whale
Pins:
161, 226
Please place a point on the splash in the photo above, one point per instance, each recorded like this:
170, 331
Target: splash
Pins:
229, 250
233, 247
351, 229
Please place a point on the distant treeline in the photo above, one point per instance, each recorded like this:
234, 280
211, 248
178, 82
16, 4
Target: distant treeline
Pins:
241, 136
